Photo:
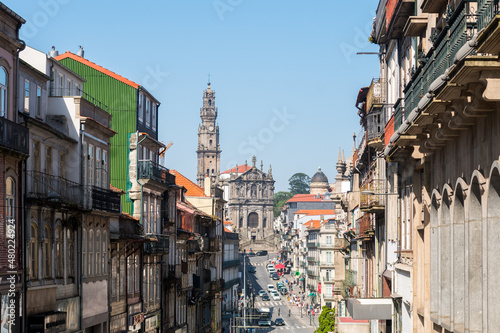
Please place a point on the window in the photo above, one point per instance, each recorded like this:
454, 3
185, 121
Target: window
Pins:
145, 217
151, 280
3, 92
152, 216
59, 241
104, 253
46, 253
10, 199
91, 252
48, 160
122, 275
84, 252
145, 279
26, 96
137, 274
78, 90
114, 277
60, 86
153, 116
70, 253
38, 101
158, 216
91, 165
147, 114
130, 268
141, 108
157, 282
62, 164
328, 240
98, 252
98, 166
104, 169
69, 85
328, 258
328, 276
33, 269
253, 220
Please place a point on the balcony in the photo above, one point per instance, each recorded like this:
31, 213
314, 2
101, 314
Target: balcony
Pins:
230, 263
375, 125
350, 278
312, 244
461, 26
153, 171
398, 118
311, 259
376, 96
14, 137
373, 202
325, 264
311, 272
330, 297
105, 200
337, 244
231, 283
44, 188
488, 20
433, 6
160, 246
366, 227
396, 14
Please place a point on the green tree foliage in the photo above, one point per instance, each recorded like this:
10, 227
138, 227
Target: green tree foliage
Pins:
326, 320
279, 201
299, 183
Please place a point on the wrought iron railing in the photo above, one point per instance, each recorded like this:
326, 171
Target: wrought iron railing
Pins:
366, 225
399, 115
312, 244
102, 199
14, 137
54, 189
147, 169
376, 94
311, 259
74, 91
161, 246
376, 197
487, 10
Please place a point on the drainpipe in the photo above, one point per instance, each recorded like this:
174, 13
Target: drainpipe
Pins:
80, 247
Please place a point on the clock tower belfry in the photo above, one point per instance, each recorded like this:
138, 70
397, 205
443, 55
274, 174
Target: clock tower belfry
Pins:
208, 139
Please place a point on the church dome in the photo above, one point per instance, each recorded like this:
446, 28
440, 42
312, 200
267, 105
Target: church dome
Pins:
319, 177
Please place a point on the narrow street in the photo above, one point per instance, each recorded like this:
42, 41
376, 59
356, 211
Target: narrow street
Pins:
279, 308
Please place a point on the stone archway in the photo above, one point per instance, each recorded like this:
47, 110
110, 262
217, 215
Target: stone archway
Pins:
458, 231
435, 254
492, 259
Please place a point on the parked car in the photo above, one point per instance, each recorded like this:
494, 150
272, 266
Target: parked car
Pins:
276, 296
262, 253
270, 266
270, 287
262, 292
252, 270
279, 321
275, 276
284, 291
265, 298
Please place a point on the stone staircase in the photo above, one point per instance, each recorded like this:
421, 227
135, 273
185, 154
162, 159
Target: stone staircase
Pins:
267, 243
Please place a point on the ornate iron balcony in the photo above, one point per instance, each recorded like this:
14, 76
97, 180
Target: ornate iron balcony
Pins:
14, 137
102, 199
46, 188
161, 246
153, 171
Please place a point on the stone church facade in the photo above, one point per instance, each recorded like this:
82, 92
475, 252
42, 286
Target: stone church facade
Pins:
250, 202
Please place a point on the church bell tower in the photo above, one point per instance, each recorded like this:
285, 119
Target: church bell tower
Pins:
208, 139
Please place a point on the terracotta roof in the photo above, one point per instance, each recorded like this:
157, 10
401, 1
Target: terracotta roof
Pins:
305, 198
116, 189
316, 212
241, 169
101, 69
313, 224
193, 190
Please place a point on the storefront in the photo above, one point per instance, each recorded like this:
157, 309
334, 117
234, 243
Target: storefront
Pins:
152, 323
135, 317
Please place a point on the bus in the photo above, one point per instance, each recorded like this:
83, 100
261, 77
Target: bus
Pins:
264, 316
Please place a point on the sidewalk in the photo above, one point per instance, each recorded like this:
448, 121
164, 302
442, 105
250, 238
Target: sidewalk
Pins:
296, 312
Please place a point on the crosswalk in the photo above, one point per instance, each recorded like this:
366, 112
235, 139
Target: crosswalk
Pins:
284, 327
267, 304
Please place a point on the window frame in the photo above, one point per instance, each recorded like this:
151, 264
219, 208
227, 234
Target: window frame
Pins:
4, 86
26, 96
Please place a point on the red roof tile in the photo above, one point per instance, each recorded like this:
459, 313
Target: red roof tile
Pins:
193, 190
241, 169
305, 198
101, 69
316, 212
313, 224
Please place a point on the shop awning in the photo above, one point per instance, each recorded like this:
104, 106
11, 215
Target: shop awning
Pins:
370, 308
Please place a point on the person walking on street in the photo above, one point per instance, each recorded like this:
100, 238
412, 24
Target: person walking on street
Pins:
279, 311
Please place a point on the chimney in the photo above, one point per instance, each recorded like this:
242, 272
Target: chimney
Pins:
80, 51
53, 53
208, 186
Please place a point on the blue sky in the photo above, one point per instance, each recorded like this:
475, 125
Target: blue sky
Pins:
285, 73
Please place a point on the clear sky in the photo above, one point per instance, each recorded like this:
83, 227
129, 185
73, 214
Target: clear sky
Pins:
286, 73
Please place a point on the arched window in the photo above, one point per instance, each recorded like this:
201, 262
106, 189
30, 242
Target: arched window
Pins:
253, 220
241, 222
10, 198
84, 252
264, 222
59, 241
33, 269
98, 252
91, 252
3, 92
46, 253
209, 102
70, 257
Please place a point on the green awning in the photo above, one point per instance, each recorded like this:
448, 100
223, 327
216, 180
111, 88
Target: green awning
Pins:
302, 279
312, 294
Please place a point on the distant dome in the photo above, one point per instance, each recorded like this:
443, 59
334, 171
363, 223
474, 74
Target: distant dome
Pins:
319, 177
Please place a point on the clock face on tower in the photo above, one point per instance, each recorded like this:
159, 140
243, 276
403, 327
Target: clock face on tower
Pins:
211, 128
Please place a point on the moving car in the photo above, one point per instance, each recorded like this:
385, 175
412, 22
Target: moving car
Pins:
275, 276
279, 321
269, 266
252, 270
262, 292
262, 253
284, 291
270, 287
265, 297
276, 296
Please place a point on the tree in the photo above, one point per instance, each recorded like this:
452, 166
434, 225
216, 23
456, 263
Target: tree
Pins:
299, 183
326, 320
279, 201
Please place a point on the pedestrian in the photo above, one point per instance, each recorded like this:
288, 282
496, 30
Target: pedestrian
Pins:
279, 311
